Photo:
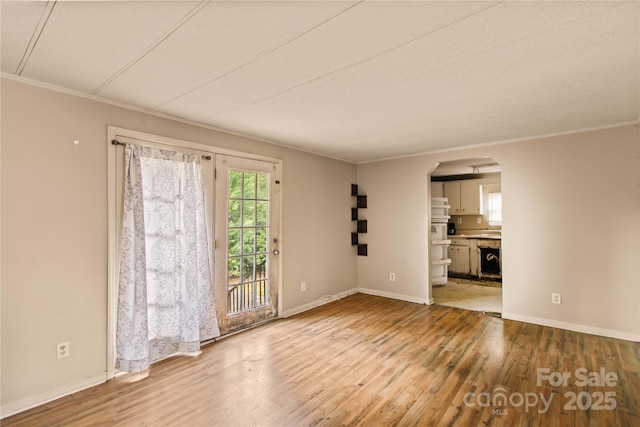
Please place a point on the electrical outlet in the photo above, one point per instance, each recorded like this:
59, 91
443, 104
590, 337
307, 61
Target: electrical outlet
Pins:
479, 220
62, 350
459, 220
303, 286
556, 298
392, 277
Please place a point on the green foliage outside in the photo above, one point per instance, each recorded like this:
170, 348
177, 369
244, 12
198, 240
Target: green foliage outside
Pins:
248, 227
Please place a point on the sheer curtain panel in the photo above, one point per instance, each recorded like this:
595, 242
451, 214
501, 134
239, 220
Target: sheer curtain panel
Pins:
165, 295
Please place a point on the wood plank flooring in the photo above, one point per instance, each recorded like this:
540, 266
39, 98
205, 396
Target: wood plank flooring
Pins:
369, 361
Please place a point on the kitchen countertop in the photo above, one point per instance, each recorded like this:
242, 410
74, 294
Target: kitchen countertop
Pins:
492, 236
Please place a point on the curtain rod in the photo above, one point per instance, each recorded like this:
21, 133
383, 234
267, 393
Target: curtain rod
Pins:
116, 142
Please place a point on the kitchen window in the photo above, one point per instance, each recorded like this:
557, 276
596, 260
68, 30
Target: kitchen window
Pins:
495, 209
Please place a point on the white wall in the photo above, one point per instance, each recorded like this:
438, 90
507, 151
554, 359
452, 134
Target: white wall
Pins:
571, 224
54, 232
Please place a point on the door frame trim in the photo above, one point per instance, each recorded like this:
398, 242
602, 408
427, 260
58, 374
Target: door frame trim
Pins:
114, 132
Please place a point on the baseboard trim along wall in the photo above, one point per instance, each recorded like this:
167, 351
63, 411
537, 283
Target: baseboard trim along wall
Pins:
627, 336
317, 303
22, 405
330, 298
393, 295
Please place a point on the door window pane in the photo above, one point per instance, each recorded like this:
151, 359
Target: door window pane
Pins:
235, 235
248, 241
261, 240
261, 266
247, 269
235, 185
233, 268
263, 187
249, 186
235, 212
261, 213
248, 213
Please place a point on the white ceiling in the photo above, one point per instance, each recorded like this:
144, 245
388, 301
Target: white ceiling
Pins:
355, 80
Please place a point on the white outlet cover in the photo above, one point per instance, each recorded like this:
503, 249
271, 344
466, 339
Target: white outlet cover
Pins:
62, 350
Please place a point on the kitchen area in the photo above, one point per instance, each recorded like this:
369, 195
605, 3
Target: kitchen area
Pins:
467, 261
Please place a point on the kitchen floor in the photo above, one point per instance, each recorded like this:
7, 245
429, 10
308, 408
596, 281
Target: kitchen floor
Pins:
469, 295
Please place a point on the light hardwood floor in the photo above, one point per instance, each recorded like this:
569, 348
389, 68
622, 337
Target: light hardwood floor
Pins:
468, 295
367, 361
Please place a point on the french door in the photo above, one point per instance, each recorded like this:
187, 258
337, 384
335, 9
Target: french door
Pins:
247, 241
243, 230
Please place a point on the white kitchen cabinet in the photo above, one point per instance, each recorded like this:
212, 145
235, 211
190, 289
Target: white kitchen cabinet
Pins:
452, 193
459, 253
465, 197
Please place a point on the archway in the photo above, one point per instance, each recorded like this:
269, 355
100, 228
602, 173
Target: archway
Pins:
467, 261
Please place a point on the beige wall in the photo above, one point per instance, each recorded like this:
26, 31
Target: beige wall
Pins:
571, 225
571, 216
54, 232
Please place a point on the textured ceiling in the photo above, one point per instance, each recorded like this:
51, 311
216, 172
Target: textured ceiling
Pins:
358, 81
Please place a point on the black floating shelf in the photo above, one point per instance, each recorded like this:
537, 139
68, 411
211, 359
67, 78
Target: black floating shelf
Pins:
354, 239
361, 224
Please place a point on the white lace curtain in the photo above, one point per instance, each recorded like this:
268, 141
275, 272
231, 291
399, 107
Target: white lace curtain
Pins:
165, 294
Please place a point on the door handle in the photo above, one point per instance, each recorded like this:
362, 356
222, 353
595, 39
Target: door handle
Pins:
276, 252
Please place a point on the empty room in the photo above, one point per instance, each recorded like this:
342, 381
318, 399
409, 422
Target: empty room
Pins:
292, 213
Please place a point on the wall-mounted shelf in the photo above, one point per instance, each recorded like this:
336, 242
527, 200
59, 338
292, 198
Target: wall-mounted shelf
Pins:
439, 241
362, 250
361, 224
362, 247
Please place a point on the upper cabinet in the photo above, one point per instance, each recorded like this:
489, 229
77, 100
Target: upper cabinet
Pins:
452, 192
465, 197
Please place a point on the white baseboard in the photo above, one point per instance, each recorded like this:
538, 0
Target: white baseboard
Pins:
330, 298
21, 405
393, 295
627, 336
317, 303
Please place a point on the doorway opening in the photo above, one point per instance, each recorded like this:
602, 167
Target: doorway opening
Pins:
466, 259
